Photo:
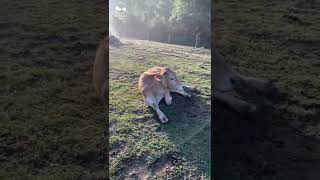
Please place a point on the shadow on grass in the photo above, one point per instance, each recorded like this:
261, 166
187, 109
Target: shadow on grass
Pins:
261, 149
189, 128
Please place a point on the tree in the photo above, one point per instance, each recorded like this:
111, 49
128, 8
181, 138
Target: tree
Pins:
162, 20
193, 16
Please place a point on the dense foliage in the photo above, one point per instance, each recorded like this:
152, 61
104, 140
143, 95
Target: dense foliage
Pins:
171, 21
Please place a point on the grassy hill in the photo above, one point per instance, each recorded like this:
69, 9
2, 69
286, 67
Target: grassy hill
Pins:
140, 146
279, 41
51, 122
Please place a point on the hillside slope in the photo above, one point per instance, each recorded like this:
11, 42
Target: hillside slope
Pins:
279, 41
51, 121
140, 146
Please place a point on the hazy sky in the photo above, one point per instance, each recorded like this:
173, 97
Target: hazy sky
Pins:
112, 5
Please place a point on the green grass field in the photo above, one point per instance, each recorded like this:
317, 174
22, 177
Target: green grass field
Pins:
140, 146
51, 123
279, 41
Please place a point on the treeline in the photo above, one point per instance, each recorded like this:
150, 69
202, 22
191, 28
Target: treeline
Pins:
186, 22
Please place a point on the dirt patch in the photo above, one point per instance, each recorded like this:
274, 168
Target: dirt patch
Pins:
163, 166
136, 169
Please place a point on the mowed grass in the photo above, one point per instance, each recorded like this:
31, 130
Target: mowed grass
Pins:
140, 146
51, 122
278, 41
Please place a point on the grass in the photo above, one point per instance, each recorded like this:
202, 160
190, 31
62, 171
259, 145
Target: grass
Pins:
278, 41
269, 46
51, 122
140, 146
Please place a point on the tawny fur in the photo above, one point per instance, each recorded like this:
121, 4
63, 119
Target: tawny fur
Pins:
224, 78
99, 76
156, 84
